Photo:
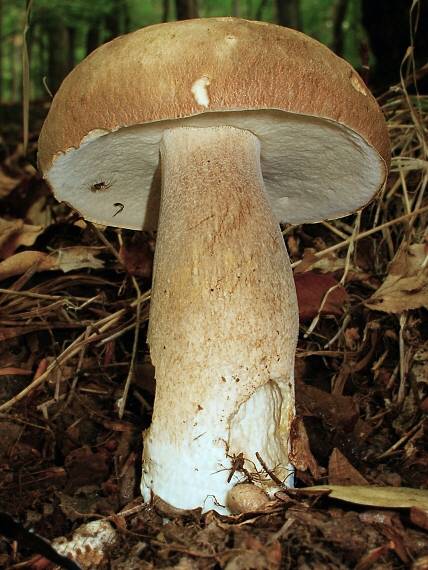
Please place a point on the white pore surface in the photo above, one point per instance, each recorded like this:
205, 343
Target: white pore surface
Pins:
313, 169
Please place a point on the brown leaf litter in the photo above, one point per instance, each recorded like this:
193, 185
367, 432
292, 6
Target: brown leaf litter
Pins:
72, 299
406, 285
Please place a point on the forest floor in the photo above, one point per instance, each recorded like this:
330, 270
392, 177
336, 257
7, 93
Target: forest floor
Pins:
71, 299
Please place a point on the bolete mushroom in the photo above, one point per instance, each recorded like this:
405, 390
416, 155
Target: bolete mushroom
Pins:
242, 124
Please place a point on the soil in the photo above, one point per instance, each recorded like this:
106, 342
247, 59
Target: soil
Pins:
68, 322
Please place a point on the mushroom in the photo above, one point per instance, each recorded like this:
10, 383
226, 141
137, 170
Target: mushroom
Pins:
242, 125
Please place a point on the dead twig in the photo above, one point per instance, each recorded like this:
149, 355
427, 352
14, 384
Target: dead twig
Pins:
271, 474
73, 349
365, 234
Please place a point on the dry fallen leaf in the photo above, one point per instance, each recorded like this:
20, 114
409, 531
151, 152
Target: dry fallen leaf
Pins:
136, 255
67, 259
14, 233
392, 497
334, 409
369, 559
7, 184
78, 257
300, 454
419, 517
406, 286
311, 287
20, 262
352, 338
328, 263
420, 563
253, 554
341, 472
420, 364
39, 212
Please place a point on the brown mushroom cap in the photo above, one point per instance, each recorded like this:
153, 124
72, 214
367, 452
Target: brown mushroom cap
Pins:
324, 143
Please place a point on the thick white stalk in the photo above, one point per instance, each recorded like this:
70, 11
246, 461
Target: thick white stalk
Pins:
223, 322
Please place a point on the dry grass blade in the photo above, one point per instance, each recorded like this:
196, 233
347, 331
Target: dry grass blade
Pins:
100, 327
367, 233
26, 77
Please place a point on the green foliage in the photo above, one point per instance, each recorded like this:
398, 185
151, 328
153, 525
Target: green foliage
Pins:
146, 13
71, 12
72, 22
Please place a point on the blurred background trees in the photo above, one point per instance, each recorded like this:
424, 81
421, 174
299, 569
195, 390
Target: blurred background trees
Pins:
372, 34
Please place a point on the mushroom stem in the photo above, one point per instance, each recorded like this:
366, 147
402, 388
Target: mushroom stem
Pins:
223, 323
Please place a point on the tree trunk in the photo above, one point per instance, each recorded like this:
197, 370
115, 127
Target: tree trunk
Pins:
15, 60
235, 8
259, 11
186, 9
339, 13
113, 20
57, 53
126, 18
165, 10
43, 58
92, 38
388, 30
288, 13
1, 51
71, 47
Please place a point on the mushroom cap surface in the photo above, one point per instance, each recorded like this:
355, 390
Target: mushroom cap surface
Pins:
324, 143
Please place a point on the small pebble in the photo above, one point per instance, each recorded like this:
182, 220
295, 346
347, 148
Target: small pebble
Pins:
246, 498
